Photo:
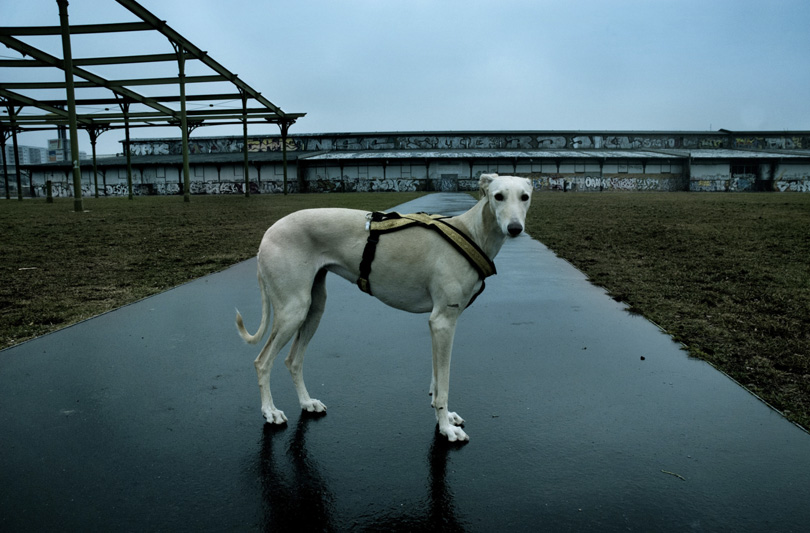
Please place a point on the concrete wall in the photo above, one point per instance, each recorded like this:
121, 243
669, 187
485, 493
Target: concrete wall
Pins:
484, 141
720, 176
164, 180
792, 177
397, 172
412, 175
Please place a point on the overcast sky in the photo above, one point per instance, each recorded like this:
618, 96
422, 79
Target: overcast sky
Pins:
390, 65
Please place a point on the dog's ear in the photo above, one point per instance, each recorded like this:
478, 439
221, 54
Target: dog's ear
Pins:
484, 181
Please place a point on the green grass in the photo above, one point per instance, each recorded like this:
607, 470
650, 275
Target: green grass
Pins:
58, 267
728, 275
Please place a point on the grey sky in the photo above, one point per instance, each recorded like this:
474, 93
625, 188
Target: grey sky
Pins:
391, 65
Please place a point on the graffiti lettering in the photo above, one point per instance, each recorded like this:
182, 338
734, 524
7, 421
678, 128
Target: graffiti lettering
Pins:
609, 183
551, 142
793, 186
314, 142
270, 145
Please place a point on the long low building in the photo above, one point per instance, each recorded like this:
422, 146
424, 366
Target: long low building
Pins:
449, 161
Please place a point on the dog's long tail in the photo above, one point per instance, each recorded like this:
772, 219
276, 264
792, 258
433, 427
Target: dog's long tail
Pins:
240, 326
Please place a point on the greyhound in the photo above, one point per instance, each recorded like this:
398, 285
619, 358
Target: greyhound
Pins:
414, 270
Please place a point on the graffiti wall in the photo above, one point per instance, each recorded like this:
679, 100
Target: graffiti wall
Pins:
723, 183
624, 182
65, 189
478, 141
316, 160
210, 145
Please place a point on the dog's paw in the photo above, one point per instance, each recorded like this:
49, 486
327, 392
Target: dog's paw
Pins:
313, 406
274, 416
455, 419
454, 434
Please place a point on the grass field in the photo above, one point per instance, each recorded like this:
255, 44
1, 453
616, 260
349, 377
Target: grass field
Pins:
58, 267
725, 274
728, 275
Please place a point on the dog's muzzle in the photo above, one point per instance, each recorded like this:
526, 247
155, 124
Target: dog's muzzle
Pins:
514, 229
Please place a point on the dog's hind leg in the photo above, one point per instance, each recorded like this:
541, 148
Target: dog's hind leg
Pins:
287, 319
295, 360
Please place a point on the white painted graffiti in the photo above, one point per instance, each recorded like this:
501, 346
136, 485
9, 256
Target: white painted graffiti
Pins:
793, 186
364, 143
608, 183
314, 142
150, 148
347, 184
270, 144
551, 142
581, 142
393, 185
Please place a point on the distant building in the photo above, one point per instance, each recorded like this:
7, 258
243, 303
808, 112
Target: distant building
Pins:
59, 150
29, 155
452, 161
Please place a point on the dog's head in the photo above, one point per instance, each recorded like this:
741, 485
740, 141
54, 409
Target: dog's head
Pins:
509, 198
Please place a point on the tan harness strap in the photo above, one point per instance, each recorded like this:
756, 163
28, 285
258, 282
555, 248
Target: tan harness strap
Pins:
379, 223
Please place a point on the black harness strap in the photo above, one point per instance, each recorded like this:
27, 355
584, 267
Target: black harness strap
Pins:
379, 223
371, 248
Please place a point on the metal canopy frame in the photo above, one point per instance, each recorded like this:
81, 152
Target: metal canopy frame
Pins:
128, 107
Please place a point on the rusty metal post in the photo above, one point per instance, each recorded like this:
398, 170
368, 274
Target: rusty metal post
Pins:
94, 133
245, 143
181, 65
16, 148
285, 128
71, 98
126, 150
93, 140
5, 162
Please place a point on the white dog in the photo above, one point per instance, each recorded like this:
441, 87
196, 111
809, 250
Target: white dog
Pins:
415, 270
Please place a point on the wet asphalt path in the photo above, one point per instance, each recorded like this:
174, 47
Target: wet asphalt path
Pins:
582, 417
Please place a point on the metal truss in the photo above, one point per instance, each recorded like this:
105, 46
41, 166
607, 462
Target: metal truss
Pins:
128, 103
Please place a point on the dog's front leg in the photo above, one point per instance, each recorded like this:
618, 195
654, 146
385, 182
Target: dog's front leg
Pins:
442, 330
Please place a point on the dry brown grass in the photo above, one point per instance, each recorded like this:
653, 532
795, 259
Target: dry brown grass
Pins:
58, 267
728, 275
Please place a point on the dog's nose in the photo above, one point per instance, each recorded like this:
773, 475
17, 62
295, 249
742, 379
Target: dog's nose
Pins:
514, 229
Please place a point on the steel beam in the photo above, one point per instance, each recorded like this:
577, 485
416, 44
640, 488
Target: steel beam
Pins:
175, 37
124, 60
51, 115
76, 29
97, 81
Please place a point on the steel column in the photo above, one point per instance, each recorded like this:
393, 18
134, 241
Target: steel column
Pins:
285, 128
94, 133
125, 110
12, 112
181, 64
245, 142
71, 101
3, 138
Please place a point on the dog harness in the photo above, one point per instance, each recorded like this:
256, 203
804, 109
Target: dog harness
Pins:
378, 223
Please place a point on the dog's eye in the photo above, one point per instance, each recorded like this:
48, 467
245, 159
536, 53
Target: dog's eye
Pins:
525, 197
499, 197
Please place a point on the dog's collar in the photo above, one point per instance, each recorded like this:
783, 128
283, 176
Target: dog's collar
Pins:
378, 223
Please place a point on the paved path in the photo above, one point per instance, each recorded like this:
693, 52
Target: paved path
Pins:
582, 417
